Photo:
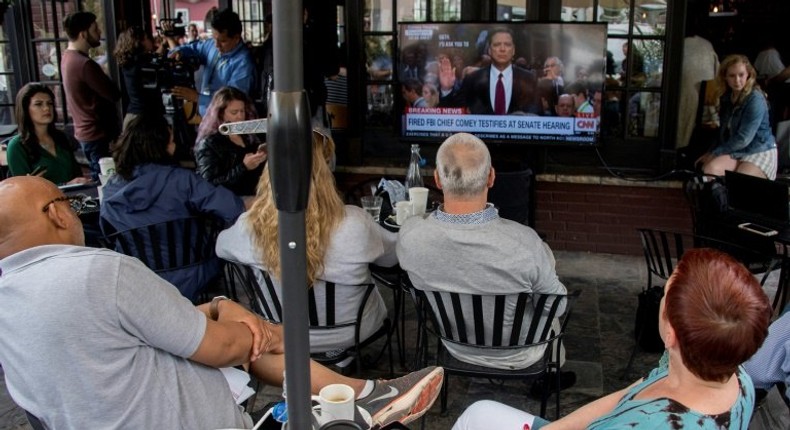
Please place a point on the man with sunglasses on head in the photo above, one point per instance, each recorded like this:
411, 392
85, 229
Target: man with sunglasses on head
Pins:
92, 339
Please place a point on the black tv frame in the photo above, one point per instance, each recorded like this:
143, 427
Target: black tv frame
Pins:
542, 37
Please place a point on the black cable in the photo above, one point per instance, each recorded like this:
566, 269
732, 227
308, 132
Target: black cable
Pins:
625, 178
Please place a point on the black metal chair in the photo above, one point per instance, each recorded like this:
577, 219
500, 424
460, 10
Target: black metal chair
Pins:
265, 300
462, 319
157, 246
34, 421
663, 249
391, 278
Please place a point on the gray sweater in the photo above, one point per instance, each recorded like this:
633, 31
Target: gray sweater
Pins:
497, 256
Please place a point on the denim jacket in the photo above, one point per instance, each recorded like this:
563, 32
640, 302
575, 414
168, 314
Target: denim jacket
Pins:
745, 129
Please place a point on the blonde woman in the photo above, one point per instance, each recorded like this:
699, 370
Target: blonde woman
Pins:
341, 241
746, 144
430, 94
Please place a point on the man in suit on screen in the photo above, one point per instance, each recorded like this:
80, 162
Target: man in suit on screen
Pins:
499, 89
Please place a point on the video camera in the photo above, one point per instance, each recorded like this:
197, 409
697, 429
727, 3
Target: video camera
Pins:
164, 73
176, 30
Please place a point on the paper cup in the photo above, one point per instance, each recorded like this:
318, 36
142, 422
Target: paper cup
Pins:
107, 166
403, 212
418, 196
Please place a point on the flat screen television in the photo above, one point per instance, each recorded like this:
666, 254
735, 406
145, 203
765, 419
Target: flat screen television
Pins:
530, 83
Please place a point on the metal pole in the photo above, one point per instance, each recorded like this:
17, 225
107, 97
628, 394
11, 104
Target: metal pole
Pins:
290, 159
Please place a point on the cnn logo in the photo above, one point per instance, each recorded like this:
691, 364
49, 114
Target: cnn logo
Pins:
586, 124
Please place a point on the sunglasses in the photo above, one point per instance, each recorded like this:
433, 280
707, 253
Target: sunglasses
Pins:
78, 203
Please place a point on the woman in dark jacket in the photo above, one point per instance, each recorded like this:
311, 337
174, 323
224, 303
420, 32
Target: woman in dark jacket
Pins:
135, 49
150, 188
235, 162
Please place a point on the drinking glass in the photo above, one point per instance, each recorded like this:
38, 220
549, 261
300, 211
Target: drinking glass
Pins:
372, 205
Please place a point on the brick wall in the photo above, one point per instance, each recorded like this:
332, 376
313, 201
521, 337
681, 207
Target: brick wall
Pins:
604, 218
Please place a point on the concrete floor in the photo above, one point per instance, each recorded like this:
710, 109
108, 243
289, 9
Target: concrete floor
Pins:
598, 344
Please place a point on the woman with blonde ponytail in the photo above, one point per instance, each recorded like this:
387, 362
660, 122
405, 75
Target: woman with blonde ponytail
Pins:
342, 240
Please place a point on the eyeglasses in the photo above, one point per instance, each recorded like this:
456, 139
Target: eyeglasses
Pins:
77, 202
546, 66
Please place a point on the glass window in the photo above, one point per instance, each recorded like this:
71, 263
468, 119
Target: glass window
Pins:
412, 10
511, 10
378, 15
380, 101
7, 87
576, 10
650, 17
634, 62
446, 10
252, 14
643, 114
378, 57
648, 63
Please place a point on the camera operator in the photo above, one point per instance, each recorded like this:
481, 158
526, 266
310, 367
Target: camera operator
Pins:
226, 60
135, 51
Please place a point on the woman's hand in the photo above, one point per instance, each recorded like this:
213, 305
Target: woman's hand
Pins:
78, 180
186, 93
254, 159
704, 159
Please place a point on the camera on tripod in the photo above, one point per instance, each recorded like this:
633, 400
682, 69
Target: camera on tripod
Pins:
164, 73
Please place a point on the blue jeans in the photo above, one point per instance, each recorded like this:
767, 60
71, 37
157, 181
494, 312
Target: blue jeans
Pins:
94, 150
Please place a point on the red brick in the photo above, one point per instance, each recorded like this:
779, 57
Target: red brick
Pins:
572, 236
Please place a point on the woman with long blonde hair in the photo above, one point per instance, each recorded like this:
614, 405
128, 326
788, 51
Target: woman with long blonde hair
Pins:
746, 144
342, 240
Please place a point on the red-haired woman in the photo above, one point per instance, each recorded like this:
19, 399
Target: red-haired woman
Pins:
713, 317
236, 161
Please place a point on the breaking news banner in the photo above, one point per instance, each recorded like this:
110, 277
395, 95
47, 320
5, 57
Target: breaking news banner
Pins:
436, 122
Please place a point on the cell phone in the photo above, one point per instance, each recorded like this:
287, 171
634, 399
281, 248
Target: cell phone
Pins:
758, 229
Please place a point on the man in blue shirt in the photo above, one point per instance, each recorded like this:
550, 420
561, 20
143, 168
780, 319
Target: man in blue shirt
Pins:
225, 58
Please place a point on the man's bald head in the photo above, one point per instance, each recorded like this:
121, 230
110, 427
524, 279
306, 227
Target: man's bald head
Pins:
463, 165
23, 222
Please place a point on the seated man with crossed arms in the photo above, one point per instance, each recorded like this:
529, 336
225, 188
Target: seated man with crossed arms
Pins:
93, 339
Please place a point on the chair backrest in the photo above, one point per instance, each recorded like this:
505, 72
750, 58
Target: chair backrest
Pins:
265, 298
170, 245
501, 321
663, 249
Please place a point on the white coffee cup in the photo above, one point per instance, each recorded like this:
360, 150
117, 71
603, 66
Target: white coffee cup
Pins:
419, 199
336, 403
403, 212
107, 166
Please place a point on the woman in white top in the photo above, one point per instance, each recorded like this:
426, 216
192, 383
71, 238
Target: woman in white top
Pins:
342, 241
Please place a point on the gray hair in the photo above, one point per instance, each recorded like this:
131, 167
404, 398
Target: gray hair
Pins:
559, 63
463, 164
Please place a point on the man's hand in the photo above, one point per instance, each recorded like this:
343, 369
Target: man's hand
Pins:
446, 74
186, 94
230, 311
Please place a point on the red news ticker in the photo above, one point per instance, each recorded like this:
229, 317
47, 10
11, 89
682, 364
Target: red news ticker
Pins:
439, 110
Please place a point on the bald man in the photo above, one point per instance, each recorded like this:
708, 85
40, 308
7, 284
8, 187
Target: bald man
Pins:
94, 339
465, 247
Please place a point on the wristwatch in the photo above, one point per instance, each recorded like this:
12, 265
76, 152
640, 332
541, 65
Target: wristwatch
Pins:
213, 308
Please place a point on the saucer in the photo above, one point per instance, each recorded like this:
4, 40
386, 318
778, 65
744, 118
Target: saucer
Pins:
390, 222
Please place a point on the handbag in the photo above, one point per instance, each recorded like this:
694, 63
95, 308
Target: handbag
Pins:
646, 324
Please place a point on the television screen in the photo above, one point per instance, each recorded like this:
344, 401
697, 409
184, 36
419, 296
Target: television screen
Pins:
504, 82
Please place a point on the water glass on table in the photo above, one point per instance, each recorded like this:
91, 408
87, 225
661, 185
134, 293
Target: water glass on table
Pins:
372, 205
